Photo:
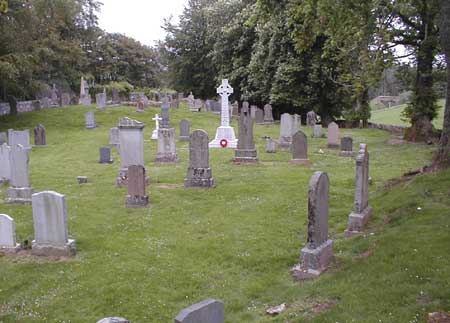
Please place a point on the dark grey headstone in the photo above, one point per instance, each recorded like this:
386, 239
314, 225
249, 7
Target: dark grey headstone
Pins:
199, 173
137, 197
105, 155
184, 130
39, 136
299, 147
311, 117
208, 311
347, 144
246, 150
259, 116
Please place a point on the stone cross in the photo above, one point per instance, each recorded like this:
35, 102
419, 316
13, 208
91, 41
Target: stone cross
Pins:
299, 148
157, 119
7, 234
39, 136
225, 90
207, 311
199, 173
246, 150
137, 197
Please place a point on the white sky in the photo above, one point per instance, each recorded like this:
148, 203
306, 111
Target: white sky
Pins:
139, 19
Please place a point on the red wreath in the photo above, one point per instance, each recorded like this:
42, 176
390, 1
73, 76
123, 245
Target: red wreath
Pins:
224, 143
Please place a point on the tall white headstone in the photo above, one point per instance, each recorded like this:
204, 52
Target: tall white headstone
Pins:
20, 189
8, 234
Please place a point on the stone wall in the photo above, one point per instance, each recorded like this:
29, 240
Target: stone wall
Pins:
387, 127
25, 106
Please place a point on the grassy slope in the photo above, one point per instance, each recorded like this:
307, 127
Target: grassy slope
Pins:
236, 242
394, 116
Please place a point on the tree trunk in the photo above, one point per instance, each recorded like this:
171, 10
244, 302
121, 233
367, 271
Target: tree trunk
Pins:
442, 158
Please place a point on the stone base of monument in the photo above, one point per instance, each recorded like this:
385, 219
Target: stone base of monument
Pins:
46, 250
285, 142
19, 195
245, 156
9, 250
184, 138
135, 202
155, 135
300, 161
224, 133
313, 262
333, 146
357, 222
344, 153
199, 177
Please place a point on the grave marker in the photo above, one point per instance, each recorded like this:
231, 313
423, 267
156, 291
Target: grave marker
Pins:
199, 174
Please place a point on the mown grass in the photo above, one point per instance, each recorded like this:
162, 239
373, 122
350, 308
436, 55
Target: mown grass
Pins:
236, 242
394, 116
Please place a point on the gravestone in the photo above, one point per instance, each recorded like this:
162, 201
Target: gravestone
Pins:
167, 150
346, 147
318, 251
54, 95
235, 109
299, 148
89, 119
113, 320
19, 137
114, 137
82, 179
246, 150
198, 105
317, 131
3, 138
64, 99
115, 95
225, 137
85, 97
131, 135
271, 146
40, 136
311, 118
207, 311
191, 102
297, 123
259, 116
51, 237
184, 130
268, 114
5, 169
140, 106
361, 211
105, 155
253, 109
209, 105
165, 114
8, 234
157, 119
199, 174
137, 197
100, 99
286, 127
20, 189
333, 135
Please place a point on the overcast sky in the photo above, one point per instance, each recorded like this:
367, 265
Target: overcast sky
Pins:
139, 19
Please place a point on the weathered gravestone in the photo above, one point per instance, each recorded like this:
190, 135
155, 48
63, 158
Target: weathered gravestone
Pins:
3, 138
157, 119
268, 114
318, 251
271, 146
140, 106
299, 148
198, 105
286, 127
89, 119
113, 320
8, 234
259, 116
199, 174
253, 109
19, 137
346, 147
311, 118
100, 99
235, 109
105, 155
167, 151
5, 168
51, 237
297, 123
114, 137
137, 197
85, 97
64, 99
115, 95
165, 113
191, 102
184, 130
20, 190
40, 136
317, 131
333, 135
131, 135
207, 311
361, 211
246, 150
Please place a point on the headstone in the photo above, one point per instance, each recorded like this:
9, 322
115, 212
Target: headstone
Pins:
317, 131
361, 211
89, 118
318, 251
311, 118
209, 105
286, 127
51, 237
299, 148
268, 114
54, 96
184, 130
82, 179
199, 174
297, 123
253, 109
19, 137
346, 147
167, 151
115, 95
64, 100
100, 99
137, 197
114, 137
131, 135
39, 136
198, 105
165, 123
271, 146
246, 150
85, 97
140, 106
8, 234
157, 119
3, 138
235, 109
191, 102
259, 116
225, 137
208, 311
333, 135
5, 169
113, 320
20, 189
105, 155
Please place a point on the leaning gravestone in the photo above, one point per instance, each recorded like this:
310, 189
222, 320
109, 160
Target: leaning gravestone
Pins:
3, 138
167, 151
299, 148
89, 118
105, 155
333, 135
361, 211
199, 173
268, 114
184, 130
346, 147
271, 146
20, 190
318, 251
18, 137
39, 136
114, 137
207, 311
311, 117
5, 168
137, 197
286, 127
246, 150
51, 236
8, 234
317, 131
259, 116
100, 99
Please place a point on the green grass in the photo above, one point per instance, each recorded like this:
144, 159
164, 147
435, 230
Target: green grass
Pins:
393, 116
236, 242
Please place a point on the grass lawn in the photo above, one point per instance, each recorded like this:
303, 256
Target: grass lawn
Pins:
393, 116
236, 242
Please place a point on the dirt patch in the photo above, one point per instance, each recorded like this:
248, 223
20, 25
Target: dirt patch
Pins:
409, 176
323, 307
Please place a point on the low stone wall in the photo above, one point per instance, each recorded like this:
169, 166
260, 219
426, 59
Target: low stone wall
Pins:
387, 127
26, 106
